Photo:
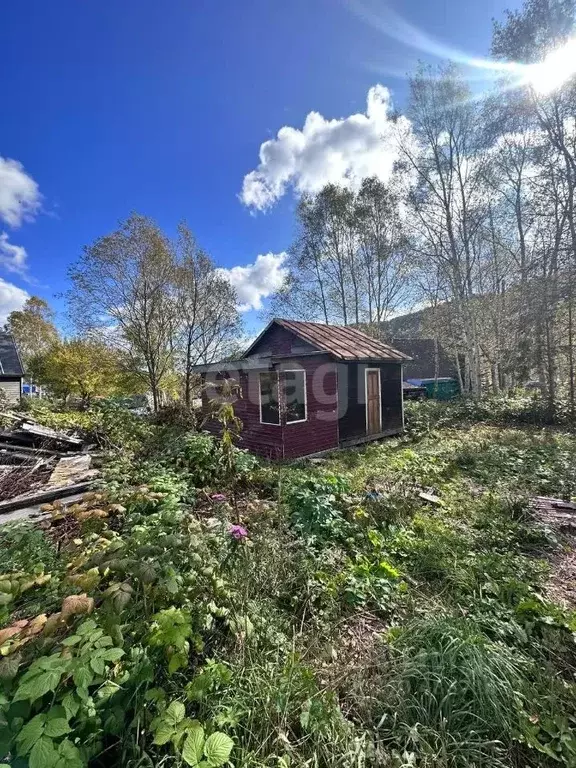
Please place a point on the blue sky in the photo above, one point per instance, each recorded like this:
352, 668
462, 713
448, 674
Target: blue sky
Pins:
162, 106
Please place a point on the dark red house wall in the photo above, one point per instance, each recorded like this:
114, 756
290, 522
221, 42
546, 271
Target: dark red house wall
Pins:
262, 439
280, 341
318, 433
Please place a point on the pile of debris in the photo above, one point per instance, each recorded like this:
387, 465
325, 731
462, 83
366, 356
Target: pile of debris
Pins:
559, 516
38, 465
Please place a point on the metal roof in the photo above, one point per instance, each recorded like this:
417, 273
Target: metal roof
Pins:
10, 363
342, 342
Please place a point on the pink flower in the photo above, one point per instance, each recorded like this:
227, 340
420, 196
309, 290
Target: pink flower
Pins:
218, 497
238, 532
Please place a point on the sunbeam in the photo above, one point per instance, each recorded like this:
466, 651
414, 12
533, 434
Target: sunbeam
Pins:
544, 77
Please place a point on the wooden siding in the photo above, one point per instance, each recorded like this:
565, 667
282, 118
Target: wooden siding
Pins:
318, 433
352, 398
280, 341
320, 430
12, 387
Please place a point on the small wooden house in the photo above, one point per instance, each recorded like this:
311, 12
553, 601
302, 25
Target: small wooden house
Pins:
304, 388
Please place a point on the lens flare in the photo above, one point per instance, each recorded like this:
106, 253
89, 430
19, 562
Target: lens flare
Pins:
556, 69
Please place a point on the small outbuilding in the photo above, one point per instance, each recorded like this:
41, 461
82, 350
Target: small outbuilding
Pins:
11, 369
304, 388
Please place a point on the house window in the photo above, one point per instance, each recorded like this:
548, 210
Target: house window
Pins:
269, 409
295, 393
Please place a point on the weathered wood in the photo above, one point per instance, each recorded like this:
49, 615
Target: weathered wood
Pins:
72, 469
5, 446
15, 458
50, 434
34, 513
44, 496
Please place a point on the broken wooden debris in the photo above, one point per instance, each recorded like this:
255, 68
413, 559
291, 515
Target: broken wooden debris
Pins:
35, 512
72, 469
50, 434
556, 513
44, 495
431, 498
6, 446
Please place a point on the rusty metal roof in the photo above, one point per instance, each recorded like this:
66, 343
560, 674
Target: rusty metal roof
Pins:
342, 342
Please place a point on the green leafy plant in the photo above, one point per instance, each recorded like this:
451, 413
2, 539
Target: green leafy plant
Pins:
188, 738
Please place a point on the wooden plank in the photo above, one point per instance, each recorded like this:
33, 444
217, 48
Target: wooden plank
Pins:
34, 513
13, 458
72, 469
42, 497
50, 434
4, 446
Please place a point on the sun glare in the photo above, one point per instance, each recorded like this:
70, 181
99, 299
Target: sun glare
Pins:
558, 66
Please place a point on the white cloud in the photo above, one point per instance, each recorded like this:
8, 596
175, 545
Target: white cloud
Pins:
325, 151
12, 257
255, 282
19, 194
11, 298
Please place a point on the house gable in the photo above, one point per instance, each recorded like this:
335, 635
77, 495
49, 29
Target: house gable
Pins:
276, 340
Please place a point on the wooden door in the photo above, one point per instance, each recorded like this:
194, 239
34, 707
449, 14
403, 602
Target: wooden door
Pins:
373, 416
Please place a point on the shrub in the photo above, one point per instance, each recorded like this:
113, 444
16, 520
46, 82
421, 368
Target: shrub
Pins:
513, 408
315, 503
202, 456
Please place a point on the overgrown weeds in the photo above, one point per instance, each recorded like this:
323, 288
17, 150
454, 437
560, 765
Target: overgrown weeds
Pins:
382, 609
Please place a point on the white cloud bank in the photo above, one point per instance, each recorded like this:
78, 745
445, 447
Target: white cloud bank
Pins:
325, 151
257, 281
11, 298
12, 257
19, 194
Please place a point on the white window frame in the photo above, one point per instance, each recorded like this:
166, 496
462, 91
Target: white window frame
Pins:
270, 423
366, 370
302, 371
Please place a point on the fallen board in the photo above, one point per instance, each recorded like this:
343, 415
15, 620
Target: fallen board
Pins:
49, 434
34, 513
5, 446
72, 469
13, 458
43, 497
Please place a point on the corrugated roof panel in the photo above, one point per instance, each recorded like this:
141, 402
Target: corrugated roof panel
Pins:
343, 342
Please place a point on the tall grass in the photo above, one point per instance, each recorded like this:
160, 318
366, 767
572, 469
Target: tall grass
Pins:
451, 694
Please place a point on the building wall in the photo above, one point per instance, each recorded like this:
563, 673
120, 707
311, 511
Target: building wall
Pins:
12, 386
352, 398
280, 341
318, 433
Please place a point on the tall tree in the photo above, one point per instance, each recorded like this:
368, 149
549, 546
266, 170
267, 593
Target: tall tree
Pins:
123, 286
32, 327
349, 262
448, 203
208, 320
80, 367
528, 35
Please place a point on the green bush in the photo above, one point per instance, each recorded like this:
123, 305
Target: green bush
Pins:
202, 457
315, 503
515, 408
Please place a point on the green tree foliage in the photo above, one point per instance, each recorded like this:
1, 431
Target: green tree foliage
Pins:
83, 368
33, 328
